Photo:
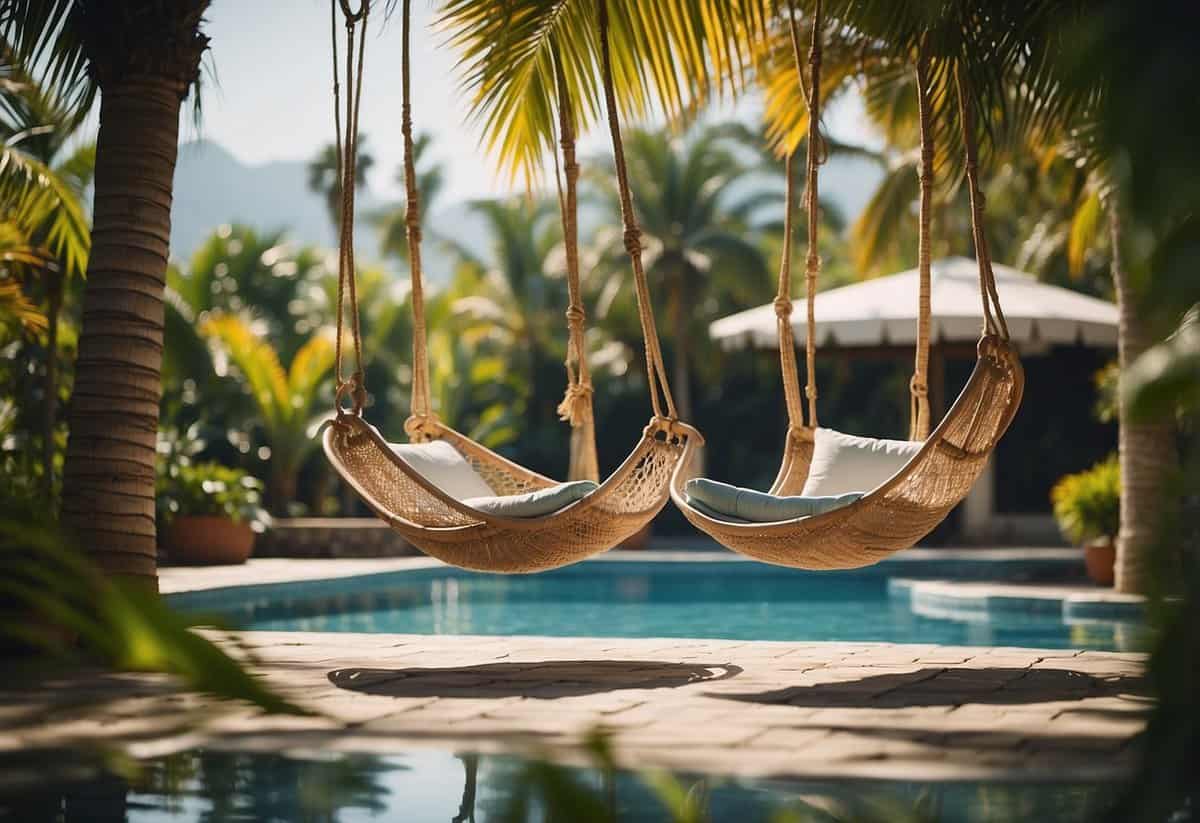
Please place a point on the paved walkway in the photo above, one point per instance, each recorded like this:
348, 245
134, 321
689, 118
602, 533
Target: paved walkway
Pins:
787, 709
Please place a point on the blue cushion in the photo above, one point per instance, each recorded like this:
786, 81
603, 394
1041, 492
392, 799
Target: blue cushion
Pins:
759, 507
534, 503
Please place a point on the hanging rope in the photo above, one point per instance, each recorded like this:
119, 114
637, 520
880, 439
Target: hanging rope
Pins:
656, 373
421, 417
993, 316
783, 310
919, 385
347, 161
815, 155
576, 406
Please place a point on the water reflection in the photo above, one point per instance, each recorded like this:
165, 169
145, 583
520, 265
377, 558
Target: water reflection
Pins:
429, 785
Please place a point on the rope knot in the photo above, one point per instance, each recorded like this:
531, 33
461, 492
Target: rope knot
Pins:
812, 263
422, 428
918, 387
576, 405
676, 431
783, 307
810, 391
351, 387
633, 240
575, 316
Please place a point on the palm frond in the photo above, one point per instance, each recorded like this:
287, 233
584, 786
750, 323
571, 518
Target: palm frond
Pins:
46, 206
669, 55
257, 361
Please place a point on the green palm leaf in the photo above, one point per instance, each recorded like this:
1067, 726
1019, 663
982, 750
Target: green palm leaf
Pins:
670, 54
45, 205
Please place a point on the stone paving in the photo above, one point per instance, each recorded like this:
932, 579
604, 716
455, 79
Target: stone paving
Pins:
913, 712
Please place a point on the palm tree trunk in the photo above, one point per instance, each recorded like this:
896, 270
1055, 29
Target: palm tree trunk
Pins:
108, 481
1147, 450
682, 378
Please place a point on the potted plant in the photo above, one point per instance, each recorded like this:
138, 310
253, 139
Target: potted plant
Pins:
1087, 507
211, 512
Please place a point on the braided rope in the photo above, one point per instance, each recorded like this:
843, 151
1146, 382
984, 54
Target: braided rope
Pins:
656, 372
421, 421
815, 155
919, 385
783, 309
577, 403
576, 406
993, 316
346, 150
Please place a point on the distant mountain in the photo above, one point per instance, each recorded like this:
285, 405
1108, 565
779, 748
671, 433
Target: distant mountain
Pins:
212, 187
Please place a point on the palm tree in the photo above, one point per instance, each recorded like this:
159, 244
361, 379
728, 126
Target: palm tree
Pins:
143, 58
1147, 448
697, 214
285, 399
323, 177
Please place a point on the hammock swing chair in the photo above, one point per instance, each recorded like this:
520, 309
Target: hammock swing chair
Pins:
437, 522
911, 502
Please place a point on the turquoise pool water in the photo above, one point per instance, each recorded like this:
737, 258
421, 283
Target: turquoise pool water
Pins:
219, 787
739, 601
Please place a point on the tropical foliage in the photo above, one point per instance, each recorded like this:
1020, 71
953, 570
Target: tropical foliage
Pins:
1087, 504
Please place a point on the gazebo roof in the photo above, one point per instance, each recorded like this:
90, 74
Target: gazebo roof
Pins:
883, 311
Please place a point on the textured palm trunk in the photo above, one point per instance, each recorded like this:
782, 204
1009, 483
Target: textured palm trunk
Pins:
108, 482
681, 381
1147, 450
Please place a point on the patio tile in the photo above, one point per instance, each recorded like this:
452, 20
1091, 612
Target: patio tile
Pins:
801, 709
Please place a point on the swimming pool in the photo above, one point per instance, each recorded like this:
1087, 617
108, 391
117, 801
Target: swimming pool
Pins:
736, 601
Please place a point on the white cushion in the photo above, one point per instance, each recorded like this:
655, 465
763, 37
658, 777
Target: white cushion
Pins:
747, 505
844, 463
442, 465
535, 503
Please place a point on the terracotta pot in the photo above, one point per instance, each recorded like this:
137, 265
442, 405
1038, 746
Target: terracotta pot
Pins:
1100, 556
208, 540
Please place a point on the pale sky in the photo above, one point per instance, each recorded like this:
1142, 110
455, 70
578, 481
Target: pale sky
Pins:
268, 93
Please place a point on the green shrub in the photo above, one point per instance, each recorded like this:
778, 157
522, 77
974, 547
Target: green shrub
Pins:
210, 489
1087, 505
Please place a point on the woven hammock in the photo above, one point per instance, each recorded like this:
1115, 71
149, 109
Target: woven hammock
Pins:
912, 502
430, 519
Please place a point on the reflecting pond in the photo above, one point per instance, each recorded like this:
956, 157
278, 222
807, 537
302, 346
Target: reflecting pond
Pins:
215, 786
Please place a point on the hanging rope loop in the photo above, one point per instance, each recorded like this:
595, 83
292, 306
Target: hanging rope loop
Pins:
656, 371
816, 151
422, 422
576, 406
351, 16
994, 323
352, 387
919, 417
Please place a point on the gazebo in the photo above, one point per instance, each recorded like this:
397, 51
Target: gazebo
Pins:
877, 318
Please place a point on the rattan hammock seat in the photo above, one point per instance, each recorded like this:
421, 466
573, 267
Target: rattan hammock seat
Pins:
432, 520
908, 505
